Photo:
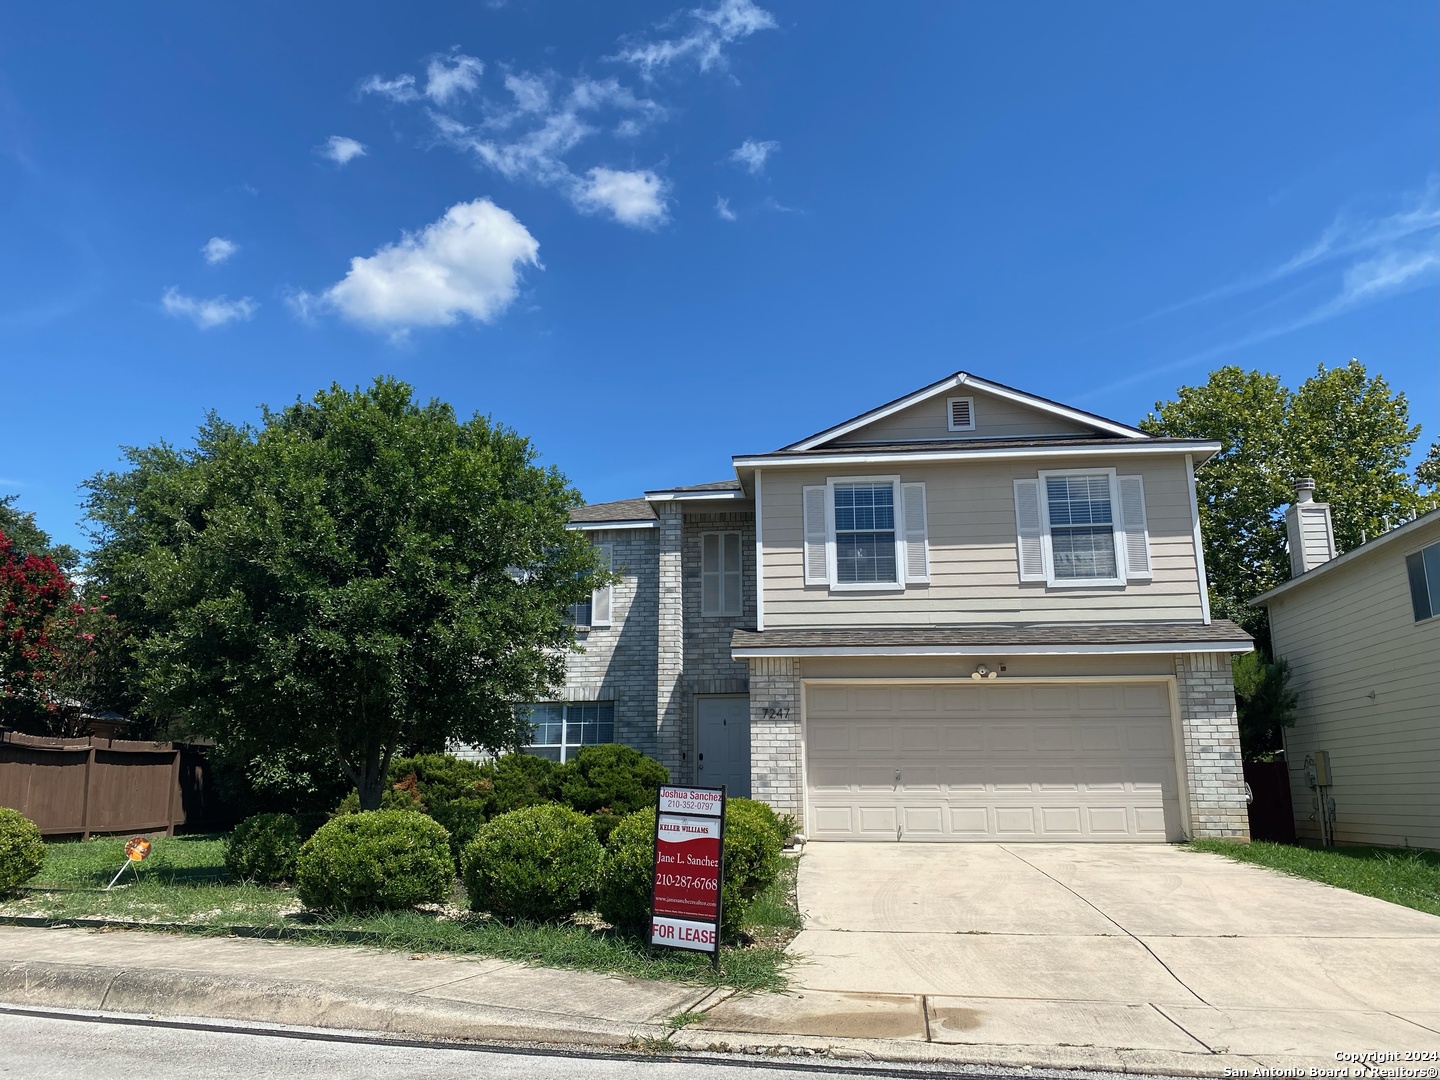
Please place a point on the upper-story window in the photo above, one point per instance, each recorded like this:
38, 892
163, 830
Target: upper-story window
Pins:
1424, 569
595, 612
720, 575
1082, 527
865, 533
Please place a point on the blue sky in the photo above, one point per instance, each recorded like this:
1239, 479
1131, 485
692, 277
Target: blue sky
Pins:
650, 236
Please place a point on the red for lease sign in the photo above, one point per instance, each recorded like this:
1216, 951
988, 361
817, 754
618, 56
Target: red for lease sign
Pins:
689, 848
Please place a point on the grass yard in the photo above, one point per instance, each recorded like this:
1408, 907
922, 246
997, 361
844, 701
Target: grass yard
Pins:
184, 881
1408, 878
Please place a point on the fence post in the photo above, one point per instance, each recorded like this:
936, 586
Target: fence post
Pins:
174, 791
85, 802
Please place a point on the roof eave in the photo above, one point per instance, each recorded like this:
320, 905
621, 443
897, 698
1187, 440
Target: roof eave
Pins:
824, 457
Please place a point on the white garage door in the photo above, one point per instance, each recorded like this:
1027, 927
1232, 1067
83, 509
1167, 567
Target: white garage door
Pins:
975, 760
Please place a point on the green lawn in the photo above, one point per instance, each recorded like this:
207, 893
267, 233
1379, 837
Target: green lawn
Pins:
184, 882
1408, 878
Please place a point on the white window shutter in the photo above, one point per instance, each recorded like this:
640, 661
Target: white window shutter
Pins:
817, 568
1132, 520
600, 598
1027, 530
917, 547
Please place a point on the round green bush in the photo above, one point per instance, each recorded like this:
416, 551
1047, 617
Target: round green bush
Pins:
22, 850
378, 859
450, 789
264, 848
607, 782
752, 859
539, 863
515, 781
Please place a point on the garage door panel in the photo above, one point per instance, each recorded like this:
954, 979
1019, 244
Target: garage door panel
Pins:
980, 761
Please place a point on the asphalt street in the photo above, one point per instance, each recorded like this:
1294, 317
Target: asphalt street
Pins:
48, 1047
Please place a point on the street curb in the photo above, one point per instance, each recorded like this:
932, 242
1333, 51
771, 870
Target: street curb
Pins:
300, 1004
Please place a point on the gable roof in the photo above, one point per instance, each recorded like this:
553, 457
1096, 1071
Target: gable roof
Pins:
1353, 555
963, 378
613, 513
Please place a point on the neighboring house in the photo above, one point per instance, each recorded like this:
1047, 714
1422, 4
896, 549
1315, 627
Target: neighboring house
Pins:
1362, 635
969, 614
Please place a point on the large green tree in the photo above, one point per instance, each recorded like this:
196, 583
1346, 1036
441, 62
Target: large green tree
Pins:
357, 575
1342, 426
29, 539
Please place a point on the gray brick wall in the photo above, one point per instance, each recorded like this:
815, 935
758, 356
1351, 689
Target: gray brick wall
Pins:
776, 756
669, 699
1211, 735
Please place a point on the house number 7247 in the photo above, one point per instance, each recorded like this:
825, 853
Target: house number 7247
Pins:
776, 712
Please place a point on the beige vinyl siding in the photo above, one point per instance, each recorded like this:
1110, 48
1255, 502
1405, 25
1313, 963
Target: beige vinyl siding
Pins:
1349, 633
974, 572
995, 418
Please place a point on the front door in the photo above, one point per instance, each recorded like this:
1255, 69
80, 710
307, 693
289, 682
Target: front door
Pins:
723, 756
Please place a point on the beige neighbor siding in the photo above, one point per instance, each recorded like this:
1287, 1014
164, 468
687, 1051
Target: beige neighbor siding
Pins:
974, 570
995, 418
1351, 633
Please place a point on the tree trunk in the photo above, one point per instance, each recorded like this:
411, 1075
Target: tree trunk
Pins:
370, 783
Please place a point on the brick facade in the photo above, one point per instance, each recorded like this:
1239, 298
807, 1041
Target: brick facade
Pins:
1211, 750
776, 751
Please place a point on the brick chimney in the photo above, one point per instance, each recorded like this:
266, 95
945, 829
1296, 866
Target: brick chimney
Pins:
1308, 528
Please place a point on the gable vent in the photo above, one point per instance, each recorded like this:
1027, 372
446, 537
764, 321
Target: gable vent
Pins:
962, 414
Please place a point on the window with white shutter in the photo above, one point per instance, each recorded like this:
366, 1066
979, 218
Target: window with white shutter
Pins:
817, 535
1029, 534
600, 598
1132, 520
917, 544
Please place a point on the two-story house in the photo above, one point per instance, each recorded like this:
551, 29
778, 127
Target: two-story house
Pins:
969, 614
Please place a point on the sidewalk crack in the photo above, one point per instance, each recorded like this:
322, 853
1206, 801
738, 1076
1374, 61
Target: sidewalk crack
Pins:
1111, 921
1181, 1026
109, 984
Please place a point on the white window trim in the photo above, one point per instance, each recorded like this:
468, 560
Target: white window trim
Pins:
1116, 531
830, 551
720, 572
607, 552
950, 414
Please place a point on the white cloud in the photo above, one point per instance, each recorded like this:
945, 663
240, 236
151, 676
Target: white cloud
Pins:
529, 91
466, 264
711, 31
752, 153
447, 77
635, 198
722, 208
401, 88
217, 249
206, 314
341, 149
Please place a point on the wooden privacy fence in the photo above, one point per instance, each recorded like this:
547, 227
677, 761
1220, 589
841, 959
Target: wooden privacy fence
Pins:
95, 785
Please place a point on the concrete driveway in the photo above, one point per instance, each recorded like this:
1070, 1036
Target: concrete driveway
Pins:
1145, 947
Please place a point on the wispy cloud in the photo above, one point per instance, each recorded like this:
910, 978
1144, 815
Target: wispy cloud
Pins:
722, 209
632, 197
752, 154
207, 314
401, 88
466, 264
218, 249
448, 77
1346, 235
1379, 257
707, 34
341, 149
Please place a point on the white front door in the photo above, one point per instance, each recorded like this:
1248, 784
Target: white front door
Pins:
723, 754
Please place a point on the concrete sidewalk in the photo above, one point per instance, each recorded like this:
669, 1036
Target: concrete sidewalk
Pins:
448, 997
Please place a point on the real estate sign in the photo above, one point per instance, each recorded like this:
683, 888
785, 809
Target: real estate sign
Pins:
689, 860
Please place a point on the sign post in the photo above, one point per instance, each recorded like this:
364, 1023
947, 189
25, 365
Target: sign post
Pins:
685, 894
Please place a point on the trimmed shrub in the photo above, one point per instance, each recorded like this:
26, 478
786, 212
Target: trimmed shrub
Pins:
609, 782
379, 859
752, 859
514, 781
390, 799
451, 790
22, 850
264, 848
539, 863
